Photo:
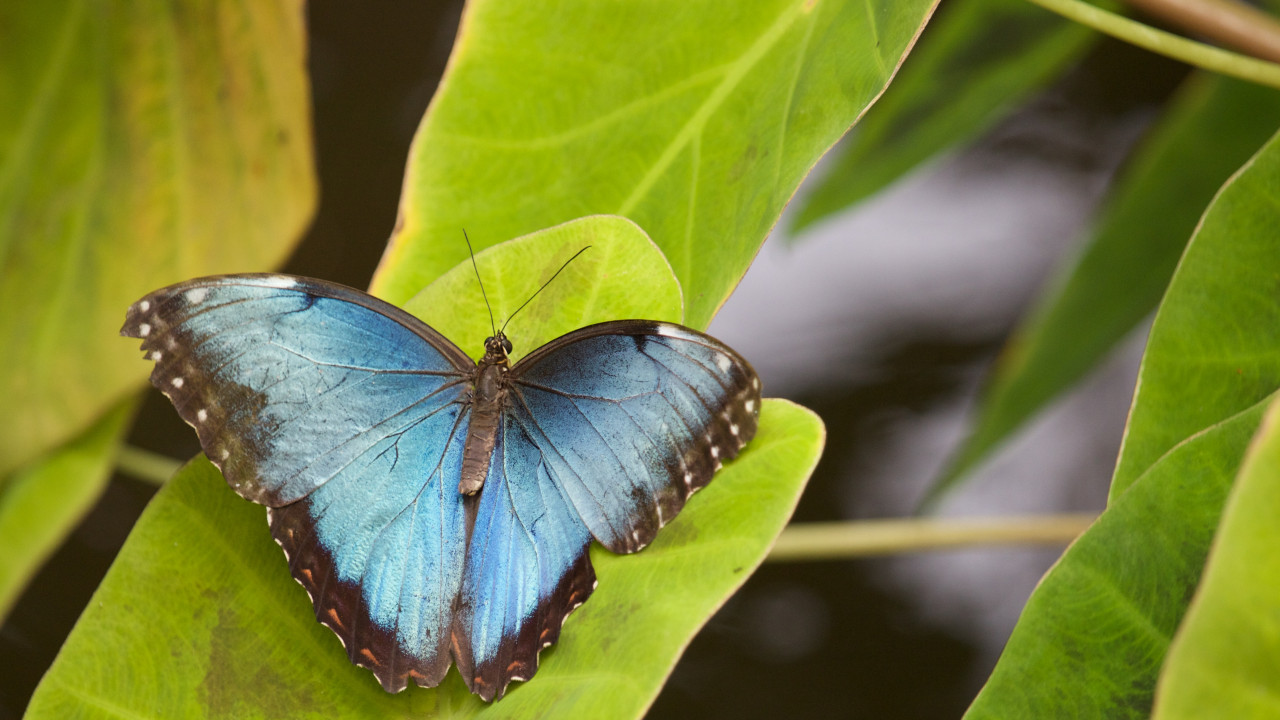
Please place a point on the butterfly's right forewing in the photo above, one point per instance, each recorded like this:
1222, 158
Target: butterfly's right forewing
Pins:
632, 417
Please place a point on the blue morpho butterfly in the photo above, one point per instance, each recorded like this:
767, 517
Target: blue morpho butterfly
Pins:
434, 507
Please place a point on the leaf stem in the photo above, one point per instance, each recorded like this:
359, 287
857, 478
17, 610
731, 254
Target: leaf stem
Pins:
146, 465
1166, 43
830, 541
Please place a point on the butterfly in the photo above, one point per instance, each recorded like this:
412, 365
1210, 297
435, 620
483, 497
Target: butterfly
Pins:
438, 510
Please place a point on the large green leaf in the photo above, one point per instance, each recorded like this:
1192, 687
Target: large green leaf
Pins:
140, 143
697, 119
977, 60
1211, 128
623, 275
199, 617
1223, 661
1214, 348
1094, 634
43, 502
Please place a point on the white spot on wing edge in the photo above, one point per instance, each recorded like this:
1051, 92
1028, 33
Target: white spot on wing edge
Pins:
196, 295
144, 329
156, 355
225, 453
177, 382
668, 330
202, 415
750, 406
279, 281
733, 428
723, 362
144, 305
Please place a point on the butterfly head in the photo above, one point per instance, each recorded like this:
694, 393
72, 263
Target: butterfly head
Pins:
496, 348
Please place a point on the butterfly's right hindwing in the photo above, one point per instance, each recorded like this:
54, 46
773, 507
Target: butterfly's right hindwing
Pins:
527, 568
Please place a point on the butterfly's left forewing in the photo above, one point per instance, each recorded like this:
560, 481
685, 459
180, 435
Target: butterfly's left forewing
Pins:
342, 414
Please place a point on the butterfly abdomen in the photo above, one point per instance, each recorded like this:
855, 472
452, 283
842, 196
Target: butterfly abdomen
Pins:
486, 411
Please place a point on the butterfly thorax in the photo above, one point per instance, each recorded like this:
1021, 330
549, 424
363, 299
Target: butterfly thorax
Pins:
487, 396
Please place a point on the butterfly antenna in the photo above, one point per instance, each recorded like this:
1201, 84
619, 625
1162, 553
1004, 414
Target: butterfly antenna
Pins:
544, 286
482, 292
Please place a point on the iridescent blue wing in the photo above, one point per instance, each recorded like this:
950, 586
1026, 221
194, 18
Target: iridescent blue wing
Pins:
606, 432
527, 568
633, 417
346, 416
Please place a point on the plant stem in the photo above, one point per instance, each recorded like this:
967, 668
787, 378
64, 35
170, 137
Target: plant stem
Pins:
1165, 43
146, 465
810, 541
830, 541
1229, 22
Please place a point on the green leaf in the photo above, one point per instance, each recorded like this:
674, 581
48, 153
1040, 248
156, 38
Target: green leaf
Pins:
43, 502
978, 60
623, 275
1224, 658
1094, 634
140, 143
1214, 348
1211, 128
697, 120
201, 604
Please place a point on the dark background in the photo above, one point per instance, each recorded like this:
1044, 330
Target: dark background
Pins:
801, 639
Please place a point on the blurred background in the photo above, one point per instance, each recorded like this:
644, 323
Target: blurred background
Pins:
884, 320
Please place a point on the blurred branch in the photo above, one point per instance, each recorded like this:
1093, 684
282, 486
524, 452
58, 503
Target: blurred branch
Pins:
1164, 43
1228, 22
146, 465
830, 541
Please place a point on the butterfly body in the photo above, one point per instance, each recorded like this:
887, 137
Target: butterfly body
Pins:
489, 391
438, 510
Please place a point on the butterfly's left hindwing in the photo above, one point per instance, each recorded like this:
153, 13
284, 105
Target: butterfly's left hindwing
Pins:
380, 549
